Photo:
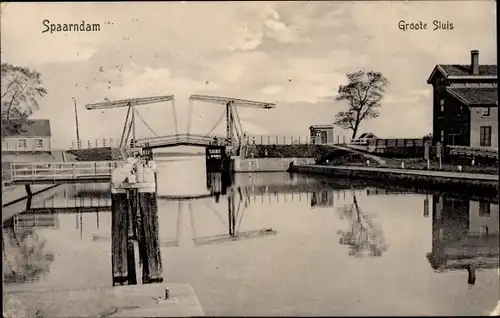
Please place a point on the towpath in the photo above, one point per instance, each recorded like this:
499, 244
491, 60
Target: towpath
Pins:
445, 174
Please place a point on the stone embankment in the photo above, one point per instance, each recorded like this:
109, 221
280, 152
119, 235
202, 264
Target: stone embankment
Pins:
454, 181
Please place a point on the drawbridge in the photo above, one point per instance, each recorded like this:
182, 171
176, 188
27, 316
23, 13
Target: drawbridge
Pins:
233, 140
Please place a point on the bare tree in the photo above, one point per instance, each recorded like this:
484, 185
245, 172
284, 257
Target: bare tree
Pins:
21, 89
363, 235
364, 93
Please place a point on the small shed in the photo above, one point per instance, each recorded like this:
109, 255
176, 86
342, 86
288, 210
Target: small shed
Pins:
321, 134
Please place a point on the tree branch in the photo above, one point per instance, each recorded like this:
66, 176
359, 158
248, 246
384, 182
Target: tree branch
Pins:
13, 97
8, 88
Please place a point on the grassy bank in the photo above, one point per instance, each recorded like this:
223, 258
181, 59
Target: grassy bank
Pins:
293, 151
421, 164
95, 154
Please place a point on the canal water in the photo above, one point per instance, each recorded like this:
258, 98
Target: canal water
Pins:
299, 245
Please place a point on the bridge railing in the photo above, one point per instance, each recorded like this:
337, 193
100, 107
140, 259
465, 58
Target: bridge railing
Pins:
59, 170
182, 138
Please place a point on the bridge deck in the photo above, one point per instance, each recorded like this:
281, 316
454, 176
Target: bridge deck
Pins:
58, 172
182, 140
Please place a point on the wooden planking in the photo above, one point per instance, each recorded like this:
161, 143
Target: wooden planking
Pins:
119, 240
149, 238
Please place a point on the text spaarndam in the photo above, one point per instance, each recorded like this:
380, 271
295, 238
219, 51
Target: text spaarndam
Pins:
82, 26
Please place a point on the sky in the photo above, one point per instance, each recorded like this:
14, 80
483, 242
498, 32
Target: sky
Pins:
294, 54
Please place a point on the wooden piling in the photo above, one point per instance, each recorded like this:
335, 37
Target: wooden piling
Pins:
149, 238
119, 242
132, 213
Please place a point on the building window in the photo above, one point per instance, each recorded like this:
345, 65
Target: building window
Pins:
485, 136
38, 143
442, 135
441, 103
486, 111
22, 144
484, 209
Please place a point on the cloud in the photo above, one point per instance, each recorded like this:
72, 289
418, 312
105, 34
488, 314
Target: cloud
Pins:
266, 23
272, 89
295, 54
24, 43
246, 39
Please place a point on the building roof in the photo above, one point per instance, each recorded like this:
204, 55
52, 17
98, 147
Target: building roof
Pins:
475, 96
321, 127
461, 71
32, 128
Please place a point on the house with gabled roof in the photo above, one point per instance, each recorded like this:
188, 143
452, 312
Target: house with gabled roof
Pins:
32, 136
465, 104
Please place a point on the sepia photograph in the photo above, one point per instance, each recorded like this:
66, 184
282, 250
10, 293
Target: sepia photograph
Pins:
250, 158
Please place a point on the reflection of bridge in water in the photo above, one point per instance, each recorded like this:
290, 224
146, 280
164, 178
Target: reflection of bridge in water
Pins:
101, 201
237, 203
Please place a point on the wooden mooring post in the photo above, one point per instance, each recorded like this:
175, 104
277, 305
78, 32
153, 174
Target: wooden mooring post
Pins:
135, 217
148, 241
122, 256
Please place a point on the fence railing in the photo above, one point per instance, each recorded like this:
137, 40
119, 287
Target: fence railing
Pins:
293, 140
95, 143
57, 171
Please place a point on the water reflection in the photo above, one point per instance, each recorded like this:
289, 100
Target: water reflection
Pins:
465, 235
202, 244
238, 200
363, 236
25, 257
322, 198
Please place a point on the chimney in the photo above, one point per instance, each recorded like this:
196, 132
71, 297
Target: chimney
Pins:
474, 62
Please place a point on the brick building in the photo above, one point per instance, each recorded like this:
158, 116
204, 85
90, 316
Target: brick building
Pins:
465, 104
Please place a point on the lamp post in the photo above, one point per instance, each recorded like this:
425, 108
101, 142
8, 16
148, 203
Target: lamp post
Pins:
76, 120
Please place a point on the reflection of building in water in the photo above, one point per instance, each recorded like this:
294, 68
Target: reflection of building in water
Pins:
217, 182
483, 218
465, 235
35, 220
322, 198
